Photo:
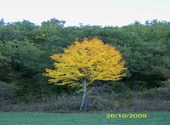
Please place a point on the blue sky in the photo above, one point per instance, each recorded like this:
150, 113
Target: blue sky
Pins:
93, 12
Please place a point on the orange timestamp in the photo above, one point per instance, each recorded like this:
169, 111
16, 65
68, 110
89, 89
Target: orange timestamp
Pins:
124, 115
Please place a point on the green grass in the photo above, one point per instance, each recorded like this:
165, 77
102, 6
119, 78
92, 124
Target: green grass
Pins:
24, 118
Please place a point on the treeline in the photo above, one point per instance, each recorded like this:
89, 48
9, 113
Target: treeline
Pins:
25, 49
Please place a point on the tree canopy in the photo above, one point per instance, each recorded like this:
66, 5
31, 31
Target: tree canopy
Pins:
25, 49
91, 60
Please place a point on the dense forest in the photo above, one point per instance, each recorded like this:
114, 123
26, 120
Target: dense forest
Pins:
25, 50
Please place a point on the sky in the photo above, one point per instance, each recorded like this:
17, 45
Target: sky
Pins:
86, 12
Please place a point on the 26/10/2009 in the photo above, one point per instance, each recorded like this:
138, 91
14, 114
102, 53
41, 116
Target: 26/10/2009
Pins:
123, 115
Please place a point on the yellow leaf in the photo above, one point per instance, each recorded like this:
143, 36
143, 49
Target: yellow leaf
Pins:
90, 59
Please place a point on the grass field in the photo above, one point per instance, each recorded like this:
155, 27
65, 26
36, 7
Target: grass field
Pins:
24, 118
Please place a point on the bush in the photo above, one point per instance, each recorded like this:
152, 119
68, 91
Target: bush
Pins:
7, 91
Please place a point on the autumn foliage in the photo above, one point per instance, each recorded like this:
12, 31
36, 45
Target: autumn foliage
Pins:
90, 59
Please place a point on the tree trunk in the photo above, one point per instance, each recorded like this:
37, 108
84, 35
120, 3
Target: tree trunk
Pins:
42, 96
84, 94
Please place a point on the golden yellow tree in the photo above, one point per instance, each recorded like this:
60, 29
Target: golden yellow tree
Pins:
84, 62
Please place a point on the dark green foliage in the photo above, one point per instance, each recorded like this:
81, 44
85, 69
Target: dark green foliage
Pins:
25, 49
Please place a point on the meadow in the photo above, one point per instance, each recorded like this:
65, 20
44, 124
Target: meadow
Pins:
28, 118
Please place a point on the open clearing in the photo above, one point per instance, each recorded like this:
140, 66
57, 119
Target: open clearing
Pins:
27, 118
